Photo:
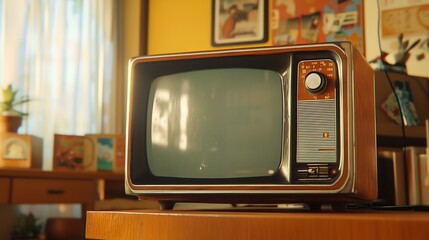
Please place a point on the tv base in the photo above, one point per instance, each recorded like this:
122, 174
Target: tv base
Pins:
335, 207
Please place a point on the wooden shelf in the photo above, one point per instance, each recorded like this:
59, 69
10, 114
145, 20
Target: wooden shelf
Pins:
218, 224
386, 127
63, 174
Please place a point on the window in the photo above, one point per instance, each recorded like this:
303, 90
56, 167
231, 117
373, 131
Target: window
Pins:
62, 54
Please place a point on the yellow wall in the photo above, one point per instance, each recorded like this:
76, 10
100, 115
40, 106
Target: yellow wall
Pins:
129, 42
131, 28
185, 26
181, 26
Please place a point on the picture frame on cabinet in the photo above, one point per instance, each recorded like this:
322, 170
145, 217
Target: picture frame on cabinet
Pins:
104, 152
68, 152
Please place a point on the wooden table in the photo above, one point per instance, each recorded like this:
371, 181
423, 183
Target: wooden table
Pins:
34, 186
221, 224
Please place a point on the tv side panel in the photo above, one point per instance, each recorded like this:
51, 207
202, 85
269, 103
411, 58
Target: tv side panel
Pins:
364, 120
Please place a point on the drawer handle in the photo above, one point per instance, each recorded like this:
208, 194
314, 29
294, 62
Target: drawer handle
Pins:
55, 191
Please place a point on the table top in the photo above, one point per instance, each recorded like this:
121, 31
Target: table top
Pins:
257, 224
63, 174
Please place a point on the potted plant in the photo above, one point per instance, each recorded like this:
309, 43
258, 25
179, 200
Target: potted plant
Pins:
10, 118
26, 227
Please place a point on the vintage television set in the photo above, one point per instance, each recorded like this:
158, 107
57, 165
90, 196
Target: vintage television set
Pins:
290, 124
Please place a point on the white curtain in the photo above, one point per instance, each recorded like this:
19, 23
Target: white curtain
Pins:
62, 54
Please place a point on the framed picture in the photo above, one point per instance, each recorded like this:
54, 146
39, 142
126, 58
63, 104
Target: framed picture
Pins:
104, 152
68, 152
405, 17
239, 22
404, 27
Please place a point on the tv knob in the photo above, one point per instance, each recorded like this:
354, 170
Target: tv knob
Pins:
315, 83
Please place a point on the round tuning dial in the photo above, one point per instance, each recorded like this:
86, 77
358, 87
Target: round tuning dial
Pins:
315, 83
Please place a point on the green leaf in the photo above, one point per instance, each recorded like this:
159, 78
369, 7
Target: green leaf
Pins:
10, 101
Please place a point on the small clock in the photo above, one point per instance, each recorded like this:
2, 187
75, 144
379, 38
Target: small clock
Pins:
20, 150
15, 148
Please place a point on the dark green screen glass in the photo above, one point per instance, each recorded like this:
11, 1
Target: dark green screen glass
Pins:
222, 123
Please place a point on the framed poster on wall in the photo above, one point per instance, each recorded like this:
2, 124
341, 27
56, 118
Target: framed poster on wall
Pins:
239, 22
305, 21
404, 26
404, 17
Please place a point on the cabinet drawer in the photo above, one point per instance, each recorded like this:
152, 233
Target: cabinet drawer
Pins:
28, 190
4, 190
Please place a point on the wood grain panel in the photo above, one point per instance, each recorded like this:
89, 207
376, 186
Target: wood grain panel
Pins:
153, 224
365, 131
4, 190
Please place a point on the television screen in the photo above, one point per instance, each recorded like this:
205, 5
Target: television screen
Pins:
198, 118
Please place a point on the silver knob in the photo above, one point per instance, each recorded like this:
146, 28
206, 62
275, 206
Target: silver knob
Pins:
315, 83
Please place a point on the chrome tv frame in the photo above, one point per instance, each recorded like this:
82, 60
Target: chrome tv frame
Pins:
289, 124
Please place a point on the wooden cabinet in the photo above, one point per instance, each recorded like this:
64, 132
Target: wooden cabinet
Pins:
4, 190
34, 186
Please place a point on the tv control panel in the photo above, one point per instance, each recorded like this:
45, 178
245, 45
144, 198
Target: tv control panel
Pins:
316, 148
